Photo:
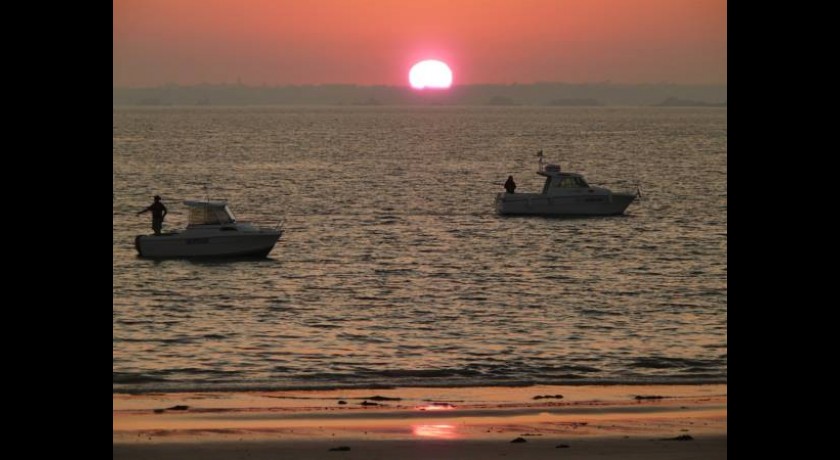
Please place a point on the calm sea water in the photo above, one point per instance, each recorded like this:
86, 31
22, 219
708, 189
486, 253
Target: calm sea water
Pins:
395, 270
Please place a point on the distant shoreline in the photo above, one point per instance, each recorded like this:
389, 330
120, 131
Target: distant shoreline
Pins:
537, 94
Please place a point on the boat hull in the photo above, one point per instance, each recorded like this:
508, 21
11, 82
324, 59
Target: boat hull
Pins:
184, 245
533, 204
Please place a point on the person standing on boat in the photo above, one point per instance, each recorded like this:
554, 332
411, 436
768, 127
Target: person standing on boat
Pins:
158, 213
510, 185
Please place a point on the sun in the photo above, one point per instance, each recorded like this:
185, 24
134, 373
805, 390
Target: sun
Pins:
430, 74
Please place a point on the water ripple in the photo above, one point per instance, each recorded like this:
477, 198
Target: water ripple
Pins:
395, 270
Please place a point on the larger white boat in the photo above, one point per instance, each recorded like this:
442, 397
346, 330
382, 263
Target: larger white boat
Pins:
564, 194
212, 232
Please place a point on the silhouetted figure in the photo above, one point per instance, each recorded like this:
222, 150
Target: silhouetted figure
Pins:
510, 185
158, 213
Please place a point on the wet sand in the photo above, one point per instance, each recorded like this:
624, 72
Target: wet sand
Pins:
414, 423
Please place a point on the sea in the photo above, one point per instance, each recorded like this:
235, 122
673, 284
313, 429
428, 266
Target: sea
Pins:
395, 270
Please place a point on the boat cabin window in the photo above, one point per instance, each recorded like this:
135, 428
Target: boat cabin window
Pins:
571, 182
211, 215
546, 185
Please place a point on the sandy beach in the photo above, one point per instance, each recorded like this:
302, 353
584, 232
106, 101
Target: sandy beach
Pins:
614, 421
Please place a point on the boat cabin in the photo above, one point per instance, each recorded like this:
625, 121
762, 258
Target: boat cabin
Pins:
209, 213
560, 182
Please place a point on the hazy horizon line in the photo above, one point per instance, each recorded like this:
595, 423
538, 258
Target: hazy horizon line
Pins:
543, 93
454, 86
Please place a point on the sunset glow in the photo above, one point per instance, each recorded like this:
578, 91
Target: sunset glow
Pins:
375, 42
431, 74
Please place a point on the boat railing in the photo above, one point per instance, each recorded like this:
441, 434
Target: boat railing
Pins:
619, 183
622, 186
277, 225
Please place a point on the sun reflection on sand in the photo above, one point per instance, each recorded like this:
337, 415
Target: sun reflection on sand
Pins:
435, 431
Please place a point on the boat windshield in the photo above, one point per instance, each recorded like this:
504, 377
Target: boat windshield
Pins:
211, 215
571, 182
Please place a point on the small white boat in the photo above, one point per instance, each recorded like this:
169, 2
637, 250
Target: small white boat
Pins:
564, 194
212, 232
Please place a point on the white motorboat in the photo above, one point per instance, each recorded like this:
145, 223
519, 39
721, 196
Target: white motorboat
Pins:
212, 232
564, 194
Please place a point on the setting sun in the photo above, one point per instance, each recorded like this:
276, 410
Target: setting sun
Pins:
430, 74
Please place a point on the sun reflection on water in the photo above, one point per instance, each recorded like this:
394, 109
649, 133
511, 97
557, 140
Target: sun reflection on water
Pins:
441, 431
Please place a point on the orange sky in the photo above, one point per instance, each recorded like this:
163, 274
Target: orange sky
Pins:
372, 42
